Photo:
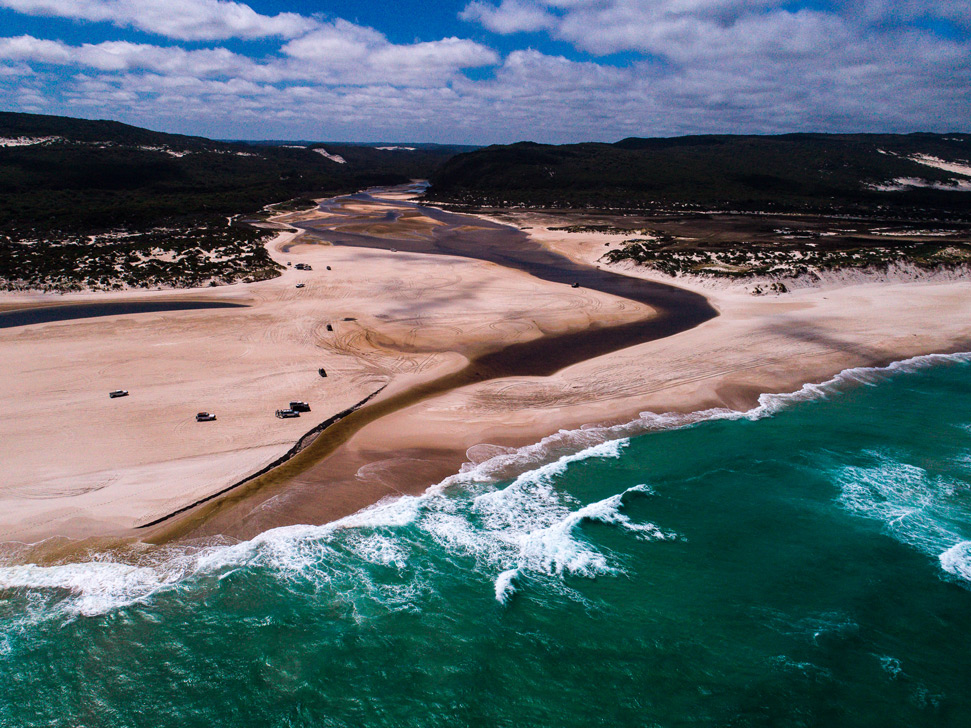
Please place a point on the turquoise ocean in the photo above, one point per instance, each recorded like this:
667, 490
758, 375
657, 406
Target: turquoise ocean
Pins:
807, 563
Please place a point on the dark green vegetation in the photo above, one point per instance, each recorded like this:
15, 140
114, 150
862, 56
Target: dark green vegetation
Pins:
103, 204
789, 261
809, 173
772, 249
821, 202
180, 257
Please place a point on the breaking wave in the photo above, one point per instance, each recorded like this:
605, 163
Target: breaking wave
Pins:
928, 512
505, 462
528, 527
528, 532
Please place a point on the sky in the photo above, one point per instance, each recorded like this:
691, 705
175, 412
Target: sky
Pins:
491, 71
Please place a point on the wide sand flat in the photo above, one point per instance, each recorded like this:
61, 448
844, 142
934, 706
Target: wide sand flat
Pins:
78, 464
756, 345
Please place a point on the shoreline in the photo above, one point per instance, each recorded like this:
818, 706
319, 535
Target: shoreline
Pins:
373, 349
305, 441
726, 362
442, 442
57, 551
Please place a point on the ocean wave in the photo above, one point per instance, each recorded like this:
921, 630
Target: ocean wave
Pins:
921, 510
502, 462
957, 560
530, 526
526, 527
506, 585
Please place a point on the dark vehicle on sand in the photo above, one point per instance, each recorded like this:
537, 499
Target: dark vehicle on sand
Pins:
118, 393
205, 417
300, 406
285, 414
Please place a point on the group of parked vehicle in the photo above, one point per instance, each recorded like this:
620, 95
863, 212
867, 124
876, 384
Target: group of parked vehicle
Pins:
294, 410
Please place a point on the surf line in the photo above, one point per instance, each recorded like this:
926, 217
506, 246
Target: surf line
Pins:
674, 310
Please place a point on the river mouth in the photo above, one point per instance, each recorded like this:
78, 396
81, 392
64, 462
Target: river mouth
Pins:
320, 483
74, 311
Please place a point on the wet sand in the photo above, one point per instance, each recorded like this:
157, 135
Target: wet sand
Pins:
473, 357
412, 440
31, 316
672, 310
79, 465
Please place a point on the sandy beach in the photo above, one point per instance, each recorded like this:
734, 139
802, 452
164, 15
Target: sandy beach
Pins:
78, 464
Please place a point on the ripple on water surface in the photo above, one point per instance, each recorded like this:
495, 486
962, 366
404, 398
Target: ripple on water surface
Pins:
804, 563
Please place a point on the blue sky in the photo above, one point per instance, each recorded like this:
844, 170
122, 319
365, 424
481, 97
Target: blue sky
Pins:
488, 71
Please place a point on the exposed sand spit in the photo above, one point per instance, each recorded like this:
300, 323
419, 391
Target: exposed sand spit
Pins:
78, 463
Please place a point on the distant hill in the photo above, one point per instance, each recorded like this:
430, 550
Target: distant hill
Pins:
914, 174
61, 175
406, 161
100, 204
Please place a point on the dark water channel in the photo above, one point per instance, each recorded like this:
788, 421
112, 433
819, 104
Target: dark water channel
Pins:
67, 312
676, 309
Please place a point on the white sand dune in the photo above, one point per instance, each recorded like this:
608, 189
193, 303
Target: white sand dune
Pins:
962, 168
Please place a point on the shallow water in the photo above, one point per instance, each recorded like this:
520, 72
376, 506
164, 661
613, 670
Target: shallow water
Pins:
70, 312
807, 563
674, 309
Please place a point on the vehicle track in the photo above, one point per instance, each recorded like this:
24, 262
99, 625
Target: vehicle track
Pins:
673, 310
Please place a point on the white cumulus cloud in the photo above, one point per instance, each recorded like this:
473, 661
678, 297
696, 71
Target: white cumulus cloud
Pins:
512, 16
180, 19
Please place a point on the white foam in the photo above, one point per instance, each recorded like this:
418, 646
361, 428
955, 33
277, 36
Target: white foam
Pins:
527, 526
506, 585
98, 587
531, 456
957, 560
915, 507
891, 666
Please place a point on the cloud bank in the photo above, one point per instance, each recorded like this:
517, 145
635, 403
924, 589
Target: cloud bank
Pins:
583, 69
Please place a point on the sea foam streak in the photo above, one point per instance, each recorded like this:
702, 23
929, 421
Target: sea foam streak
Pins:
916, 508
517, 460
527, 527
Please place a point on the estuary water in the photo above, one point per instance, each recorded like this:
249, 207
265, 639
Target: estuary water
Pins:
70, 312
807, 563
